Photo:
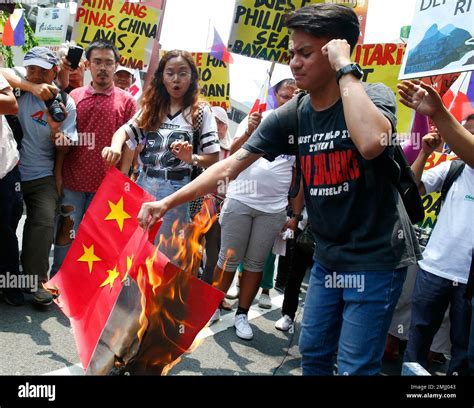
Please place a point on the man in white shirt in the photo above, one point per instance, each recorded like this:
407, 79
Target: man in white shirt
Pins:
444, 270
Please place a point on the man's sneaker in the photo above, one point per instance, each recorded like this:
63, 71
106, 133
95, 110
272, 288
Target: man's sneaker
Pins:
234, 290
280, 289
43, 297
13, 296
264, 301
216, 316
284, 323
242, 327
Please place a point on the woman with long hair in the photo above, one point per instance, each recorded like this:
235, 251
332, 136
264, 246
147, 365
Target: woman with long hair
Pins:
163, 130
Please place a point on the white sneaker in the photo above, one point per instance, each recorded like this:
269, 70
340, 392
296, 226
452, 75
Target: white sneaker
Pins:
264, 301
216, 316
234, 290
284, 323
242, 327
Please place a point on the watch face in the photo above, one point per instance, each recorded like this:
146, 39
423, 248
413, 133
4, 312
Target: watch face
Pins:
357, 70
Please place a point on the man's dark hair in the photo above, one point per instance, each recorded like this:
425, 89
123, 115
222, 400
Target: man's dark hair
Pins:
285, 82
470, 117
327, 20
102, 45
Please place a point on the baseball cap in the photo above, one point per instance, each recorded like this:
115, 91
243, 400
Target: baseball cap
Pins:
41, 57
121, 68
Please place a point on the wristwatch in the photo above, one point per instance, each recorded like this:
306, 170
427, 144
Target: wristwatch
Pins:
353, 69
195, 159
299, 217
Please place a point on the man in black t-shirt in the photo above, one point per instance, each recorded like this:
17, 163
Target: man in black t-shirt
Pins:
364, 238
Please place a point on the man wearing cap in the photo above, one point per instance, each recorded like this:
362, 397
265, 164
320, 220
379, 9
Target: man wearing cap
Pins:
42, 139
101, 109
123, 77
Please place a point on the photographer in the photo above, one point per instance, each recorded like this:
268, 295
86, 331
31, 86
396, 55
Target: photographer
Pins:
48, 129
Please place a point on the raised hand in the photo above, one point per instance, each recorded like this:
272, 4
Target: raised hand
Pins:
419, 96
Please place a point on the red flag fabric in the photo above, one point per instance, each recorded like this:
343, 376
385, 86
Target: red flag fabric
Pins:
89, 281
109, 247
459, 99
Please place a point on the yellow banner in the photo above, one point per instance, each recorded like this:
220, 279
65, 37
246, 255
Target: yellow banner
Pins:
258, 26
213, 79
132, 27
381, 63
432, 202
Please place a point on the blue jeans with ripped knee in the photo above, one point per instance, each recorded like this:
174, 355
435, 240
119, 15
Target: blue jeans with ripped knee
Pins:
73, 204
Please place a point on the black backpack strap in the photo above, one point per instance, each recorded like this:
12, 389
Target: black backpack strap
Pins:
197, 128
288, 116
455, 170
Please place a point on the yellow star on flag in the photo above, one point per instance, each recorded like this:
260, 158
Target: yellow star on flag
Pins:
89, 256
129, 265
113, 274
117, 213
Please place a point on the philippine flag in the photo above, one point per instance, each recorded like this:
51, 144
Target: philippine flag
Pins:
459, 99
14, 30
260, 104
219, 49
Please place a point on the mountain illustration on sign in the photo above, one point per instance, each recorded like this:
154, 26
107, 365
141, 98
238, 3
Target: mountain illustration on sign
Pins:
454, 42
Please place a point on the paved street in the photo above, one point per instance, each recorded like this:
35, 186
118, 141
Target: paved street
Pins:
39, 341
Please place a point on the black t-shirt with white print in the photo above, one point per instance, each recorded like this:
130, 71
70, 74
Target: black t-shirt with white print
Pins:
357, 216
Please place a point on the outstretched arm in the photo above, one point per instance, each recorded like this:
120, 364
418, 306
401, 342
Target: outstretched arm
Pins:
206, 183
424, 99
42, 91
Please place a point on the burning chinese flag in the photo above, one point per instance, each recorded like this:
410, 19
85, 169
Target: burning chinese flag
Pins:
111, 248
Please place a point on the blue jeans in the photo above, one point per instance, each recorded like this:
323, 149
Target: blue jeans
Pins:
348, 313
431, 297
161, 188
79, 203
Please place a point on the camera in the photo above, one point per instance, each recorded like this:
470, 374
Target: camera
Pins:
54, 109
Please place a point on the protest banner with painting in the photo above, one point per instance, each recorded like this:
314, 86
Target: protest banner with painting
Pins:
441, 39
